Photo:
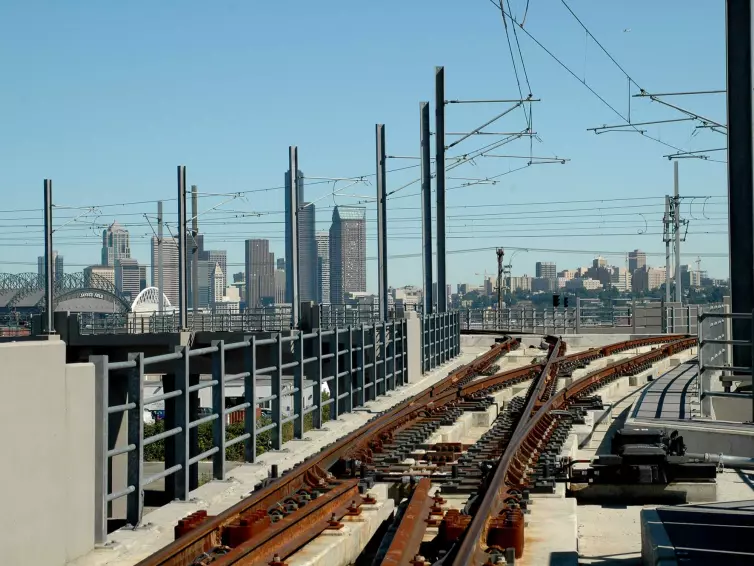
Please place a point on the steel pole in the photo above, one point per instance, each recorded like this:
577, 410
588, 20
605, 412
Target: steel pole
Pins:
442, 292
293, 233
49, 257
740, 174
381, 221
160, 280
677, 231
666, 236
426, 193
182, 231
194, 250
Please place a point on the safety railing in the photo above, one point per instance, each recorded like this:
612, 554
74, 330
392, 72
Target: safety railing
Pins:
357, 364
520, 319
440, 339
716, 355
683, 319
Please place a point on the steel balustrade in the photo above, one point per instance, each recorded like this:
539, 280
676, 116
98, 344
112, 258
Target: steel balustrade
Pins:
356, 363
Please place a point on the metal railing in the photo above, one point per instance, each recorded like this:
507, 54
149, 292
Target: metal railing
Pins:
356, 363
440, 339
520, 319
715, 359
273, 319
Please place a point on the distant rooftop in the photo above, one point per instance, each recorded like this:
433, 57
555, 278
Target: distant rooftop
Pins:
350, 212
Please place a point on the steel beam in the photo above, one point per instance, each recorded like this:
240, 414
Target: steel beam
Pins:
182, 231
49, 258
293, 233
194, 251
677, 231
442, 294
381, 220
426, 193
160, 275
740, 174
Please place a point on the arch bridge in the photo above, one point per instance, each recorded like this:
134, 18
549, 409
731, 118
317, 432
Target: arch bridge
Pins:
72, 292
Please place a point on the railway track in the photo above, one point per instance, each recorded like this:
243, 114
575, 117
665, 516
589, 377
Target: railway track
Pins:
283, 514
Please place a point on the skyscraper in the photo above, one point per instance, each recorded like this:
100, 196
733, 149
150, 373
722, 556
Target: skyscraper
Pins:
323, 267
348, 264
217, 290
288, 243
260, 278
280, 286
307, 249
546, 269
169, 268
217, 257
636, 260
281, 263
115, 244
57, 262
128, 277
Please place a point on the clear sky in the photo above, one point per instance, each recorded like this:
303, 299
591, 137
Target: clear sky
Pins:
106, 98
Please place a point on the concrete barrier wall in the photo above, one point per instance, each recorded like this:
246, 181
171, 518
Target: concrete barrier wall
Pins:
47, 479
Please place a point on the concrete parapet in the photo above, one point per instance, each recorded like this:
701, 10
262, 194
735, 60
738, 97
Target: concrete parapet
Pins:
47, 484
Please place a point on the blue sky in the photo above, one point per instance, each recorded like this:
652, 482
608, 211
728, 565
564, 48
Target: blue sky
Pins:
107, 98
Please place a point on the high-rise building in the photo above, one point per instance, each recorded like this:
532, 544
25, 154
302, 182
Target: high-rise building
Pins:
307, 250
636, 260
323, 267
115, 244
260, 278
598, 262
239, 277
169, 268
217, 288
348, 247
280, 286
128, 277
620, 278
217, 257
546, 269
94, 275
288, 243
280, 263
57, 262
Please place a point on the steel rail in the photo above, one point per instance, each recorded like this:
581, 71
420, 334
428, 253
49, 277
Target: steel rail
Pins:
311, 472
413, 525
290, 533
498, 523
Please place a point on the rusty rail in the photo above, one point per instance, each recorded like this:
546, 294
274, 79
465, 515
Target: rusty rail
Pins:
312, 473
498, 522
407, 540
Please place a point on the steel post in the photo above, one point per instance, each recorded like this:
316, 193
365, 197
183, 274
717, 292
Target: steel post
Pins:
182, 231
426, 195
317, 397
160, 275
194, 253
442, 295
250, 397
298, 386
740, 175
276, 434
135, 474
334, 389
101, 447
218, 407
381, 220
666, 238
49, 259
293, 233
677, 231
182, 417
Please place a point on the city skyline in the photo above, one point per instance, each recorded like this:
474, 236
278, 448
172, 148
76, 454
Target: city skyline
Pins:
609, 194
